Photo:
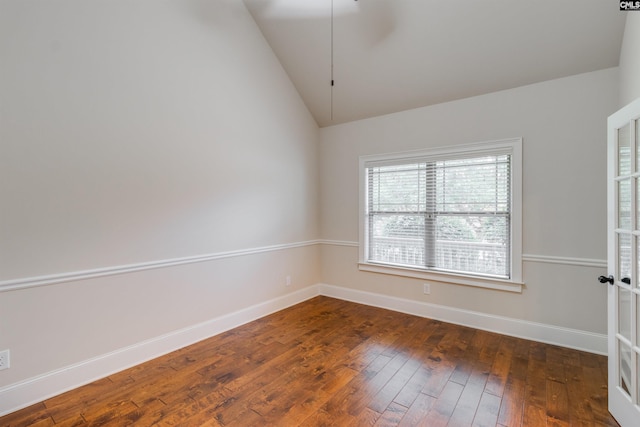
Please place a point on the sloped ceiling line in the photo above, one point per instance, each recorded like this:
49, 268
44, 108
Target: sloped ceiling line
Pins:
393, 55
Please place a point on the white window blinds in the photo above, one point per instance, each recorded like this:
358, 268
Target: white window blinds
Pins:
448, 215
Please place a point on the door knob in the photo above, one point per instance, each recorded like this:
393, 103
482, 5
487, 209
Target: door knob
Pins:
603, 279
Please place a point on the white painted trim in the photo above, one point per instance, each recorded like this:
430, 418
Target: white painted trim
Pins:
622, 406
30, 282
437, 276
511, 146
549, 259
25, 393
338, 243
28, 392
556, 335
475, 149
581, 262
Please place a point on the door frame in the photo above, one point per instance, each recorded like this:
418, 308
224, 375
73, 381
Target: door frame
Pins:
622, 406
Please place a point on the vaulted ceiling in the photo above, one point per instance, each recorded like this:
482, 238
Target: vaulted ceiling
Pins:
393, 55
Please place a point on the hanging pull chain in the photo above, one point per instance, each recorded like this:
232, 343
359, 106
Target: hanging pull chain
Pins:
332, 82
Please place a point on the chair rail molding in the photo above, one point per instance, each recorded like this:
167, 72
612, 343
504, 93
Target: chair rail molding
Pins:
30, 282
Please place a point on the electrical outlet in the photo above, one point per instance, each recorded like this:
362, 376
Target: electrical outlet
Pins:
427, 288
287, 281
4, 359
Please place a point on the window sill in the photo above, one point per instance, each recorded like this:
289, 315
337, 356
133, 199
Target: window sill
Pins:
458, 279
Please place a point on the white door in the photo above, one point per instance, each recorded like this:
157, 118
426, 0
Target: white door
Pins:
624, 264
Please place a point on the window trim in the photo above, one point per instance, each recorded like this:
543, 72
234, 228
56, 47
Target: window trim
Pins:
511, 146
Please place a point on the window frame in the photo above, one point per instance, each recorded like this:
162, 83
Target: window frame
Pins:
512, 147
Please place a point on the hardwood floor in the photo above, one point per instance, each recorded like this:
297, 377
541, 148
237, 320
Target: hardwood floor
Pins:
327, 362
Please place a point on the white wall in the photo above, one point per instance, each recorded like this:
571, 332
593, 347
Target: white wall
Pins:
563, 124
134, 132
630, 60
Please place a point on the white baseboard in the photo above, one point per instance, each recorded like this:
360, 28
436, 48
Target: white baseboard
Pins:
25, 393
34, 390
564, 337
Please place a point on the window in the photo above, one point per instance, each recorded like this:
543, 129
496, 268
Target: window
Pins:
452, 213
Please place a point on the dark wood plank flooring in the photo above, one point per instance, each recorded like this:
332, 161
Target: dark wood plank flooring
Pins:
327, 362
